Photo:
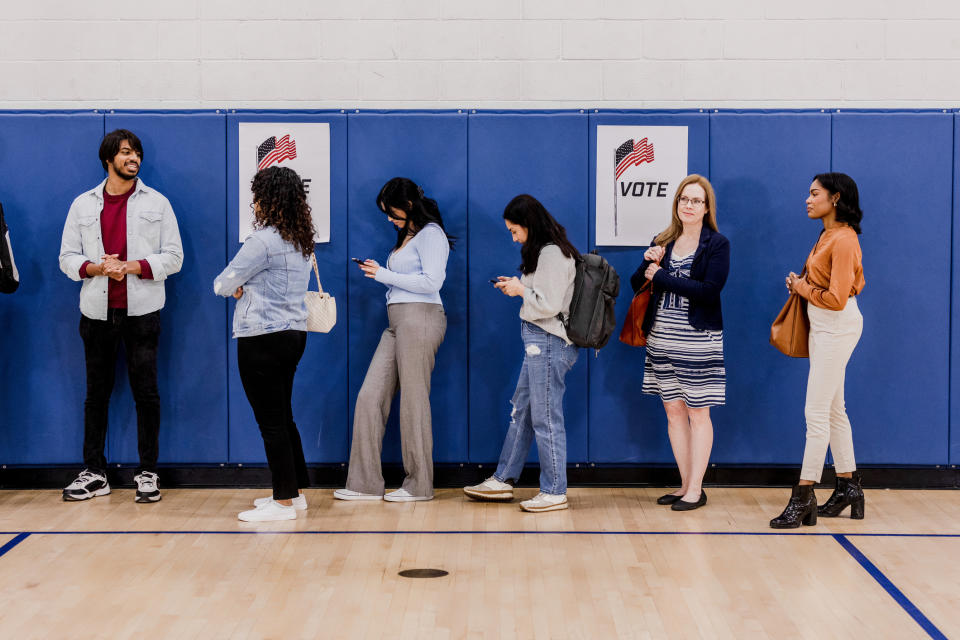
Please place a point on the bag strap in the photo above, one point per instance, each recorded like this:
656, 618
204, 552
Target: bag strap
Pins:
316, 271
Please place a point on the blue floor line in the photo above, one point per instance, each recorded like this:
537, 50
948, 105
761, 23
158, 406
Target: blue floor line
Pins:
20, 537
485, 532
890, 588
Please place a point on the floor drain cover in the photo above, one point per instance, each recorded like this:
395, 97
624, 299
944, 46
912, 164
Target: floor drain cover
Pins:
422, 573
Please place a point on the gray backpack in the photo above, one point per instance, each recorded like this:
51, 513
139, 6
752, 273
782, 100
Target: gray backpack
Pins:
591, 320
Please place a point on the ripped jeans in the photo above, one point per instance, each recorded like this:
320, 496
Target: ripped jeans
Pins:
538, 410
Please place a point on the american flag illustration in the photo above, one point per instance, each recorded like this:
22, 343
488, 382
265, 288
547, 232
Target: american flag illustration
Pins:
272, 151
631, 154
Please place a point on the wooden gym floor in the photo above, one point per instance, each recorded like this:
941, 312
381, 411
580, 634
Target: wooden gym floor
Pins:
615, 565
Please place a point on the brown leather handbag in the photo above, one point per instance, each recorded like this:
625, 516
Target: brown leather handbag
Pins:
791, 329
632, 332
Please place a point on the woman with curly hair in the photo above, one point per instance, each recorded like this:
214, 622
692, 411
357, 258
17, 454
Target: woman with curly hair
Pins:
269, 277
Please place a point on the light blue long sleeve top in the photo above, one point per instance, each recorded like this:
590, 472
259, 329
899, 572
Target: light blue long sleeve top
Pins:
416, 272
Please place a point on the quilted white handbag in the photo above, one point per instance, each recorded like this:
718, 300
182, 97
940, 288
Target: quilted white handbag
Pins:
321, 307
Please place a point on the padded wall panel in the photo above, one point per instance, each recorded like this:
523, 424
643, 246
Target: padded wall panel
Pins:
625, 425
955, 297
183, 160
431, 150
47, 160
761, 166
320, 390
543, 155
898, 378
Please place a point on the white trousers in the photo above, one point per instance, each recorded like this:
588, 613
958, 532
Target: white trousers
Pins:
833, 336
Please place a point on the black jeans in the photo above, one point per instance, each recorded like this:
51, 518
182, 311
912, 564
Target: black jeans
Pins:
101, 341
267, 364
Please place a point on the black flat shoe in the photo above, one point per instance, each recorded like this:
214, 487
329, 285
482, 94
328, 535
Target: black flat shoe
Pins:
683, 505
668, 499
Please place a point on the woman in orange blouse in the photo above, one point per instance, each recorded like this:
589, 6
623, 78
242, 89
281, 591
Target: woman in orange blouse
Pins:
834, 276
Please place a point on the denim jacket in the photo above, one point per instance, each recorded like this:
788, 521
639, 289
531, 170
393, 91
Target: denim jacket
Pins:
274, 276
152, 235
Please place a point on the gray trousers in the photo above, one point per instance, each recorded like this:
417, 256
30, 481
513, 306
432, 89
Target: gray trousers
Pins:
403, 360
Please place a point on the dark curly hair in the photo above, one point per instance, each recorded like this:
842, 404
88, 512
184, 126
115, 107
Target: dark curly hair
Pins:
848, 203
280, 201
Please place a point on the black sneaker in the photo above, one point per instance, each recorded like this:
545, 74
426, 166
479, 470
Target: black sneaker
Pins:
148, 489
89, 484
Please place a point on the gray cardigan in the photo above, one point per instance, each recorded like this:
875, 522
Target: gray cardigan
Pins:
549, 291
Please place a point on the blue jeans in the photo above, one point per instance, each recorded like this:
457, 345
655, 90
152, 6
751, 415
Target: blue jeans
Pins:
538, 410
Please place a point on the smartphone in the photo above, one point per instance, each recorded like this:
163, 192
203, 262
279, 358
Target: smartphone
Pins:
358, 260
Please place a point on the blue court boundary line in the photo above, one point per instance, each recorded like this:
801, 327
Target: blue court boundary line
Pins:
449, 532
890, 588
20, 537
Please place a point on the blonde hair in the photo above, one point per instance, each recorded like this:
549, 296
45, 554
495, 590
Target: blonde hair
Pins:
673, 232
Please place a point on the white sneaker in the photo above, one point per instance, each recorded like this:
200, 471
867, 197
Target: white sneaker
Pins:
267, 512
402, 495
148, 487
490, 489
347, 494
544, 502
299, 503
89, 484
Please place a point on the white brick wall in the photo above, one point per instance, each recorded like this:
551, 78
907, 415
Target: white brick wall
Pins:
464, 53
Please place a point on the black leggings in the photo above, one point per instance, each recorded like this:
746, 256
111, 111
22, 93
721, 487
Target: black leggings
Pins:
267, 365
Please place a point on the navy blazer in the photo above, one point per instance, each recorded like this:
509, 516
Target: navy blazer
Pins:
711, 265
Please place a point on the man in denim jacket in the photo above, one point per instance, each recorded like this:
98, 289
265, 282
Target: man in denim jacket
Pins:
122, 241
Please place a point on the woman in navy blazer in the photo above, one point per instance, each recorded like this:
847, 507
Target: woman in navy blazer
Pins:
688, 265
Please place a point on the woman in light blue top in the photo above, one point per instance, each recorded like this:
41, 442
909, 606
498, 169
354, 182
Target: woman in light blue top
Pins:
414, 273
269, 277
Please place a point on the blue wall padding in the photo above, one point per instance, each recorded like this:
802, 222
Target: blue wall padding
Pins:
182, 160
902, 398
955, 309
46, 161
431, 150
320, 393
625, 425
543, 155
898, 380
761, 166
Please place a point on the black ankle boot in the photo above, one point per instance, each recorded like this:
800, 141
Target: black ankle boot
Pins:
801, 508
848, 492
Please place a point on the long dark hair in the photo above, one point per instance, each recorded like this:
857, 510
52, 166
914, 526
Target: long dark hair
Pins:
542, 229
406, 195
282, 204
848, 205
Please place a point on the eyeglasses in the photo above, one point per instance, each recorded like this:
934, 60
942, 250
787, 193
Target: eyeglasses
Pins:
696, 202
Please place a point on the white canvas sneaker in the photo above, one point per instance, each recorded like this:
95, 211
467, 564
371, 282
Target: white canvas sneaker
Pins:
347, 494
544, 502
490, 489
299, 503
402, 495
268, 512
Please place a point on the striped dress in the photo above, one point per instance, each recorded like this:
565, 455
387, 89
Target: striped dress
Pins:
683, 363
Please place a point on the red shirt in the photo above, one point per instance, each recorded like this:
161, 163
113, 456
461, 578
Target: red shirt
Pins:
113, 230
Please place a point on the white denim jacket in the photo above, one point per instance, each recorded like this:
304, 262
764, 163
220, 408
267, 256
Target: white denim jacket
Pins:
152, 235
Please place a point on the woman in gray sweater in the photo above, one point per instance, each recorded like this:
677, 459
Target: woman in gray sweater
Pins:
546, 287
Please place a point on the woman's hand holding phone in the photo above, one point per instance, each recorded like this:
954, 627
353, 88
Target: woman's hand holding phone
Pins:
369, 267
